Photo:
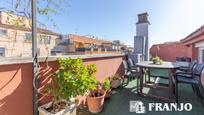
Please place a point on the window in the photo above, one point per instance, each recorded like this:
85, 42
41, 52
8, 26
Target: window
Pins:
2, 52
44, 39
3, 32
28, 37
57, 41
47, 40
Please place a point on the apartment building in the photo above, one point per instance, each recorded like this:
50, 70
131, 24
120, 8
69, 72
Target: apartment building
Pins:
118, 46
16, 37
63, 47
90, 45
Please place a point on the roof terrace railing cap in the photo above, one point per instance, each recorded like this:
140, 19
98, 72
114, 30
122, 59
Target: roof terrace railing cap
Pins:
22, 60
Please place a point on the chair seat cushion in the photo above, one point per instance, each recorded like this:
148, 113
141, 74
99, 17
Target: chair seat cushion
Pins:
133, 74
185, 69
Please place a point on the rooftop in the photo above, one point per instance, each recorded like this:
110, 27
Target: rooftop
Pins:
193, 34
39, 30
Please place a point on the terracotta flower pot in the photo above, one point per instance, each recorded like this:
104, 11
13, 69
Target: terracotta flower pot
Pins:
108, 94
95, 104
116, 83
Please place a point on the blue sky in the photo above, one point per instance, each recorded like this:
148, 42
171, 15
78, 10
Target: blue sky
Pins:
171, 20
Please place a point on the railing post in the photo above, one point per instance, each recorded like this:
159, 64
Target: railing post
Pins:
34, 56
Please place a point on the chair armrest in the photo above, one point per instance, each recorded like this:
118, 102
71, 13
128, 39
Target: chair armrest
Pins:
183, 74
183, 68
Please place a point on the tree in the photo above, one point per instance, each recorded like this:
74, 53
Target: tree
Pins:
22, 8
45, 8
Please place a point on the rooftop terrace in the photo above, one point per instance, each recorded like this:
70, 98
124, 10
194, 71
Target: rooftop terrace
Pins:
119, 102
16, 87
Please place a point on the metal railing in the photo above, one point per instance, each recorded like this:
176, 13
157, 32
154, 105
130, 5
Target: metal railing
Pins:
82, 49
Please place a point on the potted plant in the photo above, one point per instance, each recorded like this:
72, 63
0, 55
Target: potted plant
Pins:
157, 60
116, 81
107, 88
70, 80
95, 98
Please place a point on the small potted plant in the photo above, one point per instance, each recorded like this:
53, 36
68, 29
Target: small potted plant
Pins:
116, 81
107, 88
70, 80
95, 98
157, 60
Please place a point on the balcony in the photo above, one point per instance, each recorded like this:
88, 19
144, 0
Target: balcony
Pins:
16, 86
83, 49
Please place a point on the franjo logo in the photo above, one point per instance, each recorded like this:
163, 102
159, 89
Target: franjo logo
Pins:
170, 107
138, 107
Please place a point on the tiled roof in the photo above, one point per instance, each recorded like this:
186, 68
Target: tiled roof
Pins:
193, 34
39, 30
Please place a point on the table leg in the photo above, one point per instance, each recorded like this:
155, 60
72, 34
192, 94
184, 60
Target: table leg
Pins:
170, 84
141, 80
148, 75
138, 84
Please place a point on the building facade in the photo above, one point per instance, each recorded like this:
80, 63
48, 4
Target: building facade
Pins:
16, 37
16, 40
91, 45
118, 46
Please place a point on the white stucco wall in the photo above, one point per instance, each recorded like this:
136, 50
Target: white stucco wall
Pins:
15, 46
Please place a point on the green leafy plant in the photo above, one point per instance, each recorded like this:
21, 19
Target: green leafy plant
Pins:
157, 60
96, 91
72, 78
91, 69
107, 85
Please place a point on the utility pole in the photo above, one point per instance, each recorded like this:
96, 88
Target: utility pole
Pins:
34, 56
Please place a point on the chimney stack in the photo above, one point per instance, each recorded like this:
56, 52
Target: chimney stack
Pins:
141, 40
143, 18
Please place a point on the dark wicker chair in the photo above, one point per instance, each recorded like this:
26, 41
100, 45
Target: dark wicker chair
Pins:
193, 79
130, 74
188, 69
